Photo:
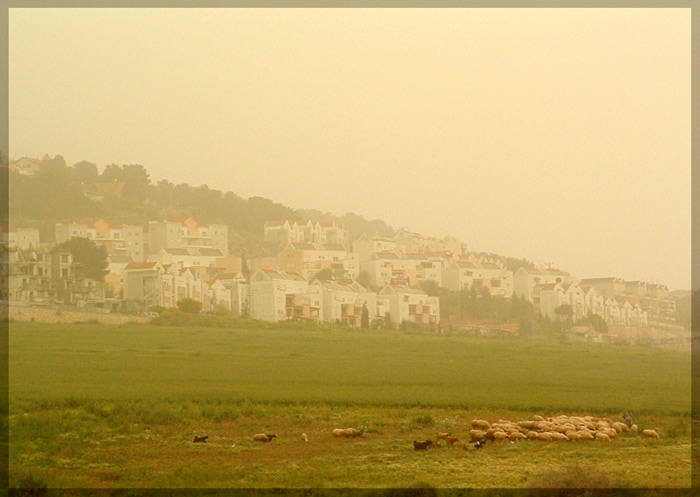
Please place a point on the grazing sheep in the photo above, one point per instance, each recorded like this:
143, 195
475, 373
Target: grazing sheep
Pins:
200, 439
480, 424
353, 433
602, 436
304, 437
532, 435
499, 435
573, 436
515, 436
538, 418
619, 427
609, 432
444, 436
544, 436
338, 432
476, 435
559, 436
528, 425
634, 428
264, 437
650, 434
585, 435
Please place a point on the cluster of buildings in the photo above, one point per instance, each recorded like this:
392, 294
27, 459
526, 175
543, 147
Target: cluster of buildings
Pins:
317, 274
618, 302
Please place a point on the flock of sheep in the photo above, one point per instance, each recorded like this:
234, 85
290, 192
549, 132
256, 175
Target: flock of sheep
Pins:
560, 428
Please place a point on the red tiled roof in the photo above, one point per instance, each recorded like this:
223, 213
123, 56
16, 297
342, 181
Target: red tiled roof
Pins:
210, 251
140, 265
177, 251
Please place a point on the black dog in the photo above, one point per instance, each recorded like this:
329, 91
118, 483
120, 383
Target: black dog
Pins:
200, 439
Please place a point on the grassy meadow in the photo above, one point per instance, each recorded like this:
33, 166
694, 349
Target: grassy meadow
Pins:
118, 406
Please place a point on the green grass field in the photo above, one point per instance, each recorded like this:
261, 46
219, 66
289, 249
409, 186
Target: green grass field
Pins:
98, 405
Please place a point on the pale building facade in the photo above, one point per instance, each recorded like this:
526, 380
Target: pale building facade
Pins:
117, 239
188, 233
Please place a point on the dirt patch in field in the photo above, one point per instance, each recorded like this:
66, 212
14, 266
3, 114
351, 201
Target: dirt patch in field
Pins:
61, 316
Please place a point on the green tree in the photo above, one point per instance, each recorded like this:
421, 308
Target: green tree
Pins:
564, 314
91, 260
364, 279
189, 305
364, 319
85, 172
324, 274
525, 326
431, 288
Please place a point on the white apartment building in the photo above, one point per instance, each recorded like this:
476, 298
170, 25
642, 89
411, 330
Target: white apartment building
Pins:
548, 296
270, 292
411, 304
285, 231
525, 280
188, 233
308, 259
343, 302
188, 257
467, 273
365, 246
19, 238
117, 239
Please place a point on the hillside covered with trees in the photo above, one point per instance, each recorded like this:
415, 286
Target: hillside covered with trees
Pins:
58, 192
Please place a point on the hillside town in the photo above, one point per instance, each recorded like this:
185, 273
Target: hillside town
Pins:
318, 274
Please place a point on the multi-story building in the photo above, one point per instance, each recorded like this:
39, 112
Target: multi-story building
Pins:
19, 238
47, 276
188, 233
365, 246
466, 273
525, 280
411, 304
609, 287
286, 231
308, 259
344, 302
124, 240
270, 295
548, 296
188, 257
115, 276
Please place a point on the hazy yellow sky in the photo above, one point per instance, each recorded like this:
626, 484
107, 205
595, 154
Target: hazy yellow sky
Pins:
559, 135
